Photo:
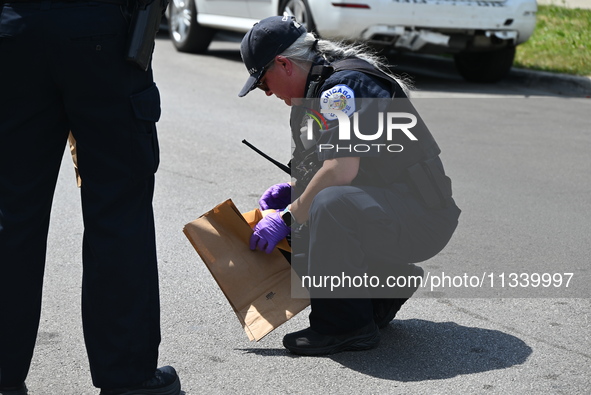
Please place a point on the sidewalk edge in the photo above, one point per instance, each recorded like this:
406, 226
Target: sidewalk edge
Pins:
563, 83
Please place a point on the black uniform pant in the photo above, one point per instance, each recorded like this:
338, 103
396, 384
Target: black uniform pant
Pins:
62, 68
362, 231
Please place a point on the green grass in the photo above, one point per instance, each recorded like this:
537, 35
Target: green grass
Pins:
560, 43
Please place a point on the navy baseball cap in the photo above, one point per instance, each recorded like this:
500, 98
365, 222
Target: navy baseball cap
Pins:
265, 40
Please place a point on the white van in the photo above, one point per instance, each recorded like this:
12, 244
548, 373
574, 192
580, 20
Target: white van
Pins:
480, 34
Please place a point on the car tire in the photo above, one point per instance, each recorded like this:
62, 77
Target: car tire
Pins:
300, 10
186, 33
489, 66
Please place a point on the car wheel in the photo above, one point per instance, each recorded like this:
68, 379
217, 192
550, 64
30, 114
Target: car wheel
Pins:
485, 66
300, 10
186, 33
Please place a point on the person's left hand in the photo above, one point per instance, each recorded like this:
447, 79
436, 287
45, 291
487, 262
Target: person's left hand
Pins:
276, 196
268, 232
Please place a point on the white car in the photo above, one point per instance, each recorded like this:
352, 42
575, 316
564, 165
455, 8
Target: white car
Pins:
481, 34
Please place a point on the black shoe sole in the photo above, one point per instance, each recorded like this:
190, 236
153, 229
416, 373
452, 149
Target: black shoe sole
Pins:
171, 389
22, 390
357, 343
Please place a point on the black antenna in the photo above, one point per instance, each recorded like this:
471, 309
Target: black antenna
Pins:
276, 163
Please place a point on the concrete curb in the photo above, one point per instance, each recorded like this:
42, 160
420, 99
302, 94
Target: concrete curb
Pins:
560, 83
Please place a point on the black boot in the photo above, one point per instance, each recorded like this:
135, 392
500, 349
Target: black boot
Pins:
310, 342
164, 382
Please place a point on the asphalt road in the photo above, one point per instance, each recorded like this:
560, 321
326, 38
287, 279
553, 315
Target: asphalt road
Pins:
519, 159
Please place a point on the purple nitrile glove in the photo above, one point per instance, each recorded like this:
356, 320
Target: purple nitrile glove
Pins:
278, 196
268, 232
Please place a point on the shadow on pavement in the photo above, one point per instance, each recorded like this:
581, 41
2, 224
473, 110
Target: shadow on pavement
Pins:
418, 350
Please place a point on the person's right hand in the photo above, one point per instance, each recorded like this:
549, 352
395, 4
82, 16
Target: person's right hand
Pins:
268, 232
276, 197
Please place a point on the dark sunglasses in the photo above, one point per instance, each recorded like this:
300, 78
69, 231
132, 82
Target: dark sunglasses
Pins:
262, 85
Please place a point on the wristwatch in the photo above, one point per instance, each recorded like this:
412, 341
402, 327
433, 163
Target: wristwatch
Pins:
288, 218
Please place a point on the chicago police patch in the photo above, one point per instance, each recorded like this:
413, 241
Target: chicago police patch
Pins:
339, 97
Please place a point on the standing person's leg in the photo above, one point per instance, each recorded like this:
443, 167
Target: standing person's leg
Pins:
113, 107
33, 132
